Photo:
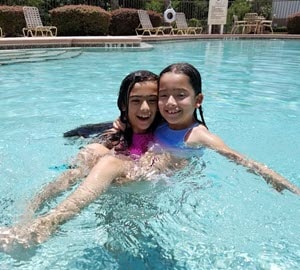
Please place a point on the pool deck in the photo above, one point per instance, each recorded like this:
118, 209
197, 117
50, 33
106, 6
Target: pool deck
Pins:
121, 41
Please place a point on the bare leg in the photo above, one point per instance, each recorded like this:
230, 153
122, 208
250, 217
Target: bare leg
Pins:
103, 173
83, 163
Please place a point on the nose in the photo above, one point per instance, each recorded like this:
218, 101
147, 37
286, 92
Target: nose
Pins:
171, 100
145, 106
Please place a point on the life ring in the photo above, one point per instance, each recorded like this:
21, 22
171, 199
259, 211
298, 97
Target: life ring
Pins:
169, 15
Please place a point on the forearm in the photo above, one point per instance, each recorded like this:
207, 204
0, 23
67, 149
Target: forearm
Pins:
276, 180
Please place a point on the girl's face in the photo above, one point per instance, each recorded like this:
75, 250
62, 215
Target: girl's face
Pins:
177, 100
142, 105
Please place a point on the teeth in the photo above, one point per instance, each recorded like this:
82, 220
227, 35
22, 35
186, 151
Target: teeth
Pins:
173, 111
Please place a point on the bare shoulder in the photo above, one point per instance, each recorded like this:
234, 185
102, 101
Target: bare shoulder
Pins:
200, 135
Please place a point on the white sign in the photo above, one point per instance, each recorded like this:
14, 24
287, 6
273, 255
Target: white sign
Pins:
217, 12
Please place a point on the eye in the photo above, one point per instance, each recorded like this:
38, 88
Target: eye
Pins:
135, 101
153, 101
162, 95
181, 95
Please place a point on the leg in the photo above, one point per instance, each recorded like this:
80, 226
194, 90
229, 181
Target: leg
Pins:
83, 163
103, 173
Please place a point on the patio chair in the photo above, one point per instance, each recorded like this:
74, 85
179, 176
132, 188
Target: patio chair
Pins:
252, 23
237, 24
146, 26
265, 24
34, 25
182, 27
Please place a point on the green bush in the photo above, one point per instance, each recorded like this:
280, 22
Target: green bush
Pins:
155, 5
293, 23
123, 22
193, 22
239, 8
80, 20
12, 20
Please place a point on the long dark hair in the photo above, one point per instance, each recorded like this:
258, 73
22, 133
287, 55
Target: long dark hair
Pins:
126, 86
119, 140
195, 81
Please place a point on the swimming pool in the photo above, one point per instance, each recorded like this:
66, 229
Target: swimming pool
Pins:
214, 216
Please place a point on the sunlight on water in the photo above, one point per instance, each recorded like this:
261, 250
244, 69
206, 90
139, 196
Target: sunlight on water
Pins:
210, 215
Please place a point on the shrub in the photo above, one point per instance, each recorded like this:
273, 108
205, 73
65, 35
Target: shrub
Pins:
193, 22
238, 8
293, 23
123, 22
12, 20
77, 20
156, 18
155, 5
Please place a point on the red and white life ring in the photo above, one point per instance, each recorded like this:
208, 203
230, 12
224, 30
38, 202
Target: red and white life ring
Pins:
169, 15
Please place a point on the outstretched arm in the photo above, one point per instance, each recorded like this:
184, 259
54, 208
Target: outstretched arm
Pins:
276, 180
201, 135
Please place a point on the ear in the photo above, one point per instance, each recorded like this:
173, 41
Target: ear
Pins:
199, 100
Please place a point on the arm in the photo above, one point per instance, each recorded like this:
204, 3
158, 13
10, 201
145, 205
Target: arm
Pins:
201, 135
276, 180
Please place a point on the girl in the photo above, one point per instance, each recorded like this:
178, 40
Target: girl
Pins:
138, 112
137, 103
179, 98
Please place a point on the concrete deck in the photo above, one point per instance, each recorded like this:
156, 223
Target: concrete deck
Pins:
120, 41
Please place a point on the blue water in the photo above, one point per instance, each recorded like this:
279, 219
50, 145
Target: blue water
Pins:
212, 215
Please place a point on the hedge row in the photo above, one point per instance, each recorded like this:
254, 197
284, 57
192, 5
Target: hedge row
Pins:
79, 20
83, 20
12, 20
293, 23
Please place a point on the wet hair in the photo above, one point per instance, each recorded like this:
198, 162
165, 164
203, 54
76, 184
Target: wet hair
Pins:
195, 81
123, 100
101, 132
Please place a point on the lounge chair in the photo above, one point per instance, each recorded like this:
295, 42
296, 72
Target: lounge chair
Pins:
145, 26
182, 27
238, 24
34, 25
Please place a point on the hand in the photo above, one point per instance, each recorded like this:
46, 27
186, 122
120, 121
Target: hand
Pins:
118, 125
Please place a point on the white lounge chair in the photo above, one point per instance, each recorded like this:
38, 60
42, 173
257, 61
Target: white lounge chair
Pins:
182, 27
34, 25
146, 27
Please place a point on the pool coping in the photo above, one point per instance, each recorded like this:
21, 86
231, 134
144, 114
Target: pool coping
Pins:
61, 42
121, 41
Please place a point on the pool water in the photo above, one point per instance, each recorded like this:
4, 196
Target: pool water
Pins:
211, 215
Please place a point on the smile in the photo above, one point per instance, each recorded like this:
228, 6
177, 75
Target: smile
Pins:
172, 111
143, 117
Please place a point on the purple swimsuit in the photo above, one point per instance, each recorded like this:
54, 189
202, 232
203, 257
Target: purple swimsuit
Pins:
140, 143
